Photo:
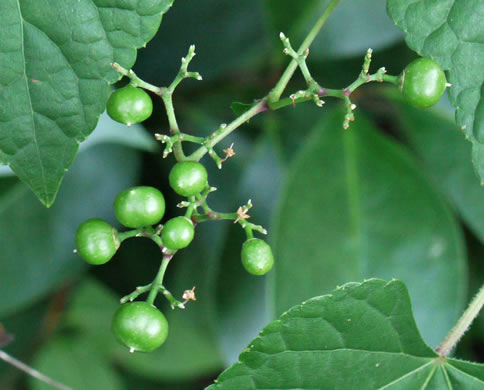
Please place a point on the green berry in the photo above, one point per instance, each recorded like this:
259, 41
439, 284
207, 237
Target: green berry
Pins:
140, 326
177, 233
139, 206
423, 83
188, 178
257, 256
96, 241
129, 105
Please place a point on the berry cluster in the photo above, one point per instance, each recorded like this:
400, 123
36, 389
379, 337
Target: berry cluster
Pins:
140, 325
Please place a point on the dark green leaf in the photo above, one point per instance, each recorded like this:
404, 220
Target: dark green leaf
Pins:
362, 336
56, 69
356, 206
452, 33
37, 243
444, 152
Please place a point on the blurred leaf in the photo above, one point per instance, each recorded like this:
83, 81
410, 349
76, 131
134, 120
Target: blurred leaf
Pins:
362, 336
75, 362
239, 108
109, 131
229, 39
352, 28
90, 311
37, 243
356, 206
452, 33
56, 64
240, 315
443, 151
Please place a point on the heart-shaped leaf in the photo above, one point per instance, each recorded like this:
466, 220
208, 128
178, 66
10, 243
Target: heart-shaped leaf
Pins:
357, 206
362, 336
56, 57
452, 33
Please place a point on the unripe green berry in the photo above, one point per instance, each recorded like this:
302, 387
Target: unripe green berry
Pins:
139, 206
96, 241
129, 105
257, 256
140, 326
177, 233
188, 178
423, 82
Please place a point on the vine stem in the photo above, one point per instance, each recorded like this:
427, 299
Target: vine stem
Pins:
462, 325
293, 65
158, 282
31, 371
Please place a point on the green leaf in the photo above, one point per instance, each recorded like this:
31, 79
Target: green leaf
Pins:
362, 336
37, 243
356, 206
75, 362
56, 60
347, 32
452, 33
443, 152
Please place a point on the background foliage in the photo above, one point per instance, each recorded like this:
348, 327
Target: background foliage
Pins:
395, 196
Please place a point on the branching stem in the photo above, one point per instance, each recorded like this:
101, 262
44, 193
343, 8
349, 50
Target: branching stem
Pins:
158, 282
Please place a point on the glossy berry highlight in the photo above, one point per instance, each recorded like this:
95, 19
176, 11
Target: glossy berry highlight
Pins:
139, 206
140, 326
188, 178
96, 241
177, 233
423, 82
257, 256
129, 105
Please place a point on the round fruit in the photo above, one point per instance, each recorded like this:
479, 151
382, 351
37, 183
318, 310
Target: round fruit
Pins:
96, 241
140, 326
129, 105
139, 206
188, 178
177, 233
257, 256
423, 83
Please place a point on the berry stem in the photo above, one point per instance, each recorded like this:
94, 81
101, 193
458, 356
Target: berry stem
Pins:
136, 293
158, 282
135, 81
462, 325
174, 303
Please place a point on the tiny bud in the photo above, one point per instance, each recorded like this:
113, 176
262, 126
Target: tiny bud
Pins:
223, 125
282, 36
353, 106
285, 51
74, 251
131, 350
448, 85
